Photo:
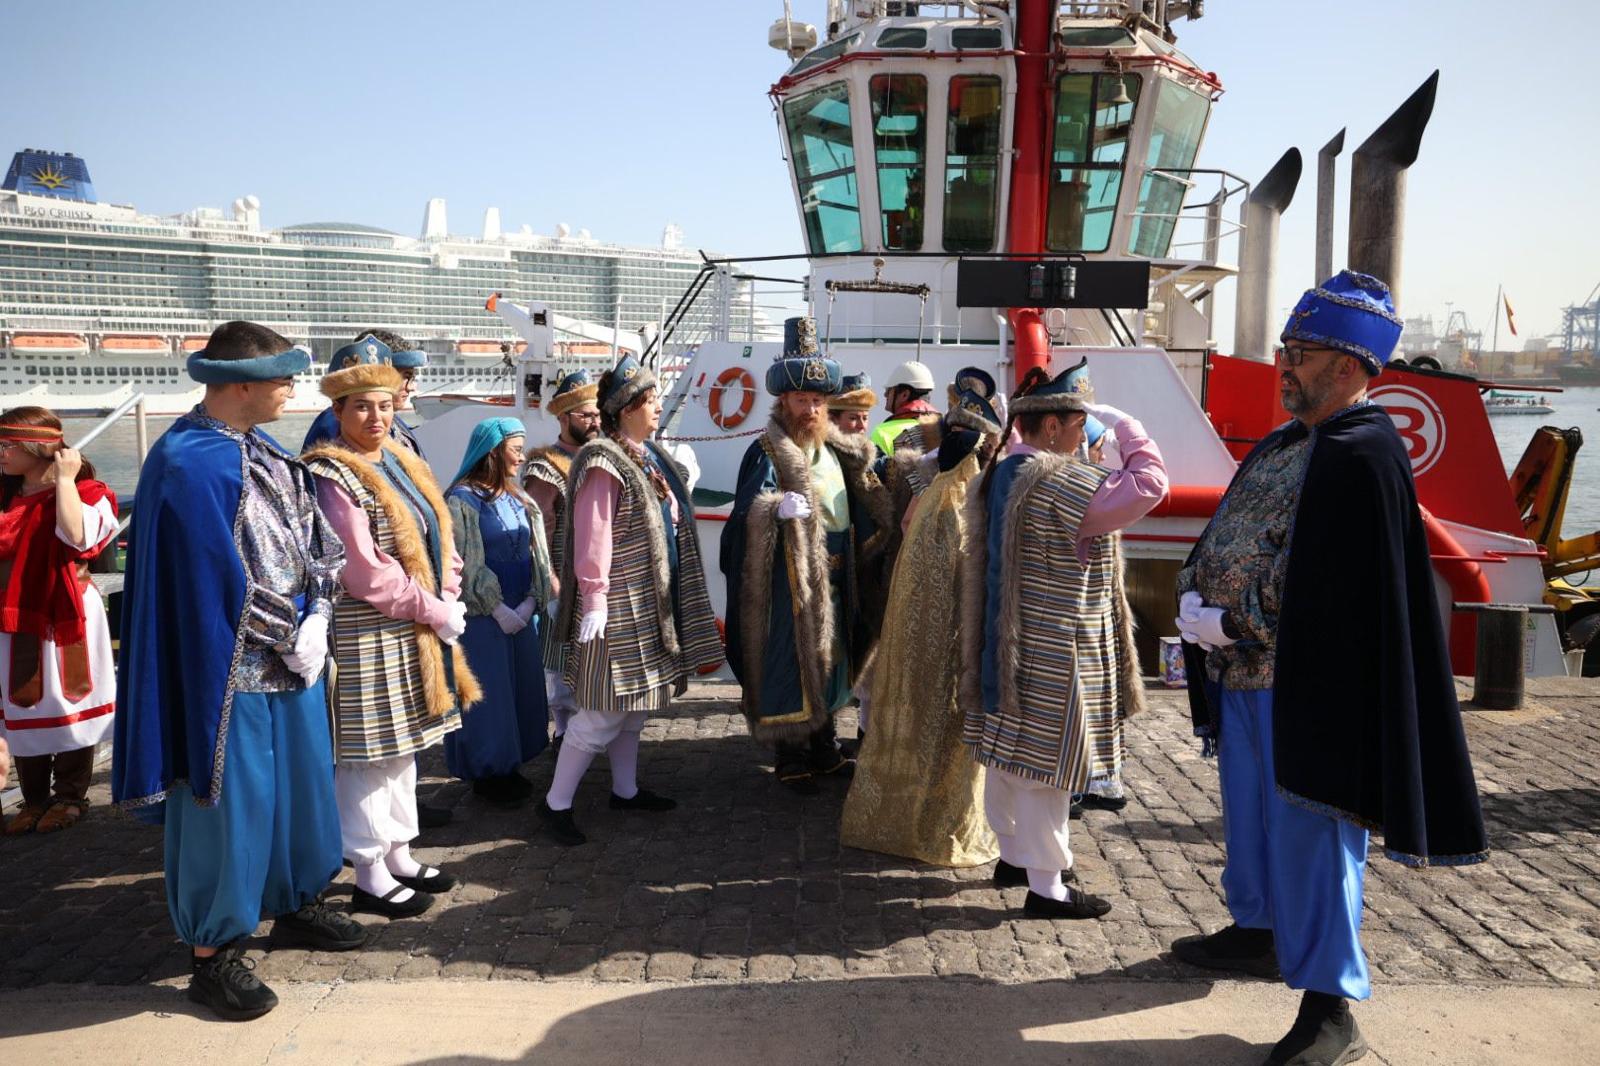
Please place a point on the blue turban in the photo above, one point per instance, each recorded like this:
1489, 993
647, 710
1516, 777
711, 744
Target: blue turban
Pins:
409, 359
262, 368
808, 373
486, 437
1352, 313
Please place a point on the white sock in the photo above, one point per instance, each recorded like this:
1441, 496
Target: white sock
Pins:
1046, 883
571, 765
401, 863
624, 755
377, 880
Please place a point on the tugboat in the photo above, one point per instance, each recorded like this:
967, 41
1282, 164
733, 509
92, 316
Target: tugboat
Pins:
1499, 403
1014, 186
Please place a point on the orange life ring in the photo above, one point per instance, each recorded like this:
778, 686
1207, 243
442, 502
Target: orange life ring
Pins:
747, 385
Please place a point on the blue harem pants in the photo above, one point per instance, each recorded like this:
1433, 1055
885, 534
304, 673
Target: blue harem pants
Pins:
1289, 869
272, 843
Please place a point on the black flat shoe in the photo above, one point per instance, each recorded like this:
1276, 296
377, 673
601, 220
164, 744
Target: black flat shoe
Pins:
1089, 801
559, 826
364, 902
1008, 876
518, 785
643, 800
319, 927
224, 983
1251, 951
430, 880
1075, 812
432, 817
499, 792
1078, 904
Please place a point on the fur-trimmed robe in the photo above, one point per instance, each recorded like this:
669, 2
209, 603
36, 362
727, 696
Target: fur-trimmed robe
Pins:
781, 627
374, 716
1043, 637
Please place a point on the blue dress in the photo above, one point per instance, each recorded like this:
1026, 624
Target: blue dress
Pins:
508, 727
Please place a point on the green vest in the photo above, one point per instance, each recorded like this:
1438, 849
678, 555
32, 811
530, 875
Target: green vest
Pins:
887, 432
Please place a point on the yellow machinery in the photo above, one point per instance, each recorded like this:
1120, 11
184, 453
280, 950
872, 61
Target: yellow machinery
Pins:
1540, 485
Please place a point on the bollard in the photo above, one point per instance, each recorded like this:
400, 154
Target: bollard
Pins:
1497, 682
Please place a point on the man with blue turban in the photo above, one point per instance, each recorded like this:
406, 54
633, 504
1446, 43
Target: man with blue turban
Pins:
807, 513
1318, 672
222, 716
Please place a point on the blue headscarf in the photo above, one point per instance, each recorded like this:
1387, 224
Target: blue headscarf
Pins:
486, 437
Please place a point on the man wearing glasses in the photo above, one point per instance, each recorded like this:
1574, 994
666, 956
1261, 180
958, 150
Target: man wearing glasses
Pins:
1318, 673
545, 475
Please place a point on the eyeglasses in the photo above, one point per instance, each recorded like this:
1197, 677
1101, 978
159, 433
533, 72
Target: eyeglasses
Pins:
584, 416
1295, 354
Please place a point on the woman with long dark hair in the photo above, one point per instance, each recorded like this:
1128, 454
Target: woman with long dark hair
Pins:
505, 583
58, 686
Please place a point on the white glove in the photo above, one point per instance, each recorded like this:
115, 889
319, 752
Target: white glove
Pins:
511, 623
794, 505
591, 625
455, 623
1109, 416
1200, 624
525, 610
310, 652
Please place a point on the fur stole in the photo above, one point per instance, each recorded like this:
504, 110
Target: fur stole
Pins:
558, 460
806, 551
636, 486
412, 553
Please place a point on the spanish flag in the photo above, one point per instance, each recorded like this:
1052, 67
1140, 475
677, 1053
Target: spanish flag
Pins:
1511, 319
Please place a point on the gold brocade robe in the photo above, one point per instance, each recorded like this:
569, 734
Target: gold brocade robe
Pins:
917, 792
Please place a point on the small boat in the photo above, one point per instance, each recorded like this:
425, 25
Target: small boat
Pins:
1498, 403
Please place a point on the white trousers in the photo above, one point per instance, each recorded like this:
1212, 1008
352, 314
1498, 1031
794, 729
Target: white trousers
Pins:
1029, 818
593, 731
377, 804
563, 702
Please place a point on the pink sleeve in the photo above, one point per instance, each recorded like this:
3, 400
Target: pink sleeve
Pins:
593, 511
373, 576
1128, 494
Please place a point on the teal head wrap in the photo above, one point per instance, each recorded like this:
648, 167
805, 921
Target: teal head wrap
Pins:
486, 437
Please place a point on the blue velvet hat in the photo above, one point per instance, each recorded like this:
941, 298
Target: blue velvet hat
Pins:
572, 392
368, 349
1352, 313
812, 373
409, 359
975, 378
629, 380
970, 410
1067, 391
855, 394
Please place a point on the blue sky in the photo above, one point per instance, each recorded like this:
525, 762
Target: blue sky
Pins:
620, 117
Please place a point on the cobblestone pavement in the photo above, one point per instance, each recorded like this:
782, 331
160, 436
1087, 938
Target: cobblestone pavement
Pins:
748, 882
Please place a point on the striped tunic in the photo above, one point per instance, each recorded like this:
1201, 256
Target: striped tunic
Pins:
375, 688
1058, 633
543, 469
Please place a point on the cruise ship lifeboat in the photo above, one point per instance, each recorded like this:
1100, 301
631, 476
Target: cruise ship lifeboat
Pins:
141, 344
49, 343
194, 344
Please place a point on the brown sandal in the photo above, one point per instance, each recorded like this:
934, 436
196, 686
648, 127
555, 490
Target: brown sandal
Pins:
24, 821
61, 815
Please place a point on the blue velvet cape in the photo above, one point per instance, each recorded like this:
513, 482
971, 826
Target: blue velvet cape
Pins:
1365, 722
182, 603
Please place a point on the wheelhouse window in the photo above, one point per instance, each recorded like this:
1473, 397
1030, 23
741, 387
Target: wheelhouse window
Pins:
899, 141
1175, 133
903, 37
972, 163
818, 125
1094, 118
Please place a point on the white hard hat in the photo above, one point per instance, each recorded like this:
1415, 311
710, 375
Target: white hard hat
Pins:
912, 375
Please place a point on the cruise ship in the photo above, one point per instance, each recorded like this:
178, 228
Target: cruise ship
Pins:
99, 302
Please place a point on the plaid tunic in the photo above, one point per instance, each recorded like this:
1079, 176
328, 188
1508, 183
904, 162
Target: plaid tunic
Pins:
375, 688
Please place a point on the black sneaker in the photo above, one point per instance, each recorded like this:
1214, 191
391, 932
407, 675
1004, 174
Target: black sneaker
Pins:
1324, 1034
1078, 904
559, 826
224, 983
1008, 876
1091, 801
1251, 951
643, 800
319, 927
